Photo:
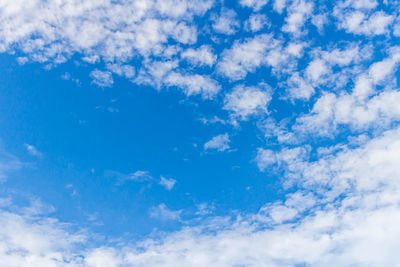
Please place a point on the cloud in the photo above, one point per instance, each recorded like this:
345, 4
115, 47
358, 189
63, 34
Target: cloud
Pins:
200, 57
254, 4
245, 101
113, 30
102, 78
167, 183
154, 72
32, 150
162, 212
122, 70
121, 178
298, 12
244, 57
31, 239
226, 22
279, 5
316, 69
299, 88
361, 108
194, 84
256, 22
219, 142
358, 21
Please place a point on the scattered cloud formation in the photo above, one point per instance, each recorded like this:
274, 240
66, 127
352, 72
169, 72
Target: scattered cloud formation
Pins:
316, 85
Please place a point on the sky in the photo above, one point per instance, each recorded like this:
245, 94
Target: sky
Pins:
199, 133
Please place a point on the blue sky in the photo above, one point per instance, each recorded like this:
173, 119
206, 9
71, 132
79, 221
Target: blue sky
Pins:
199, 133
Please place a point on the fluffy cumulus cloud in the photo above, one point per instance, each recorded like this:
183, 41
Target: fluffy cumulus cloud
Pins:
256, 22
245, 56
226, 22
318, 81
255, 4
102, 78
201, 56
194, 84
245, 101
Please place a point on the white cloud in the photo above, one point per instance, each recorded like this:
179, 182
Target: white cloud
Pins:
226, 22
349, 55
254, 4
316, 69
256, 22
22, 60
379, 71
102, 78
358, 22
32, 150
320, 21
193, 84
200, 57
97, 30
183, 33
279, 5
154, 72
299, 88
140, 176
245, 101
162, 212
219, 142
167, 183
298, 12
364, 107
122, 70
245, 56
361, 4
396, 27
121, 178
34, 240
265, 158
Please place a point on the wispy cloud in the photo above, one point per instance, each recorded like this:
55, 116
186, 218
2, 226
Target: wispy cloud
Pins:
33, 151
162, 212
137, 176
